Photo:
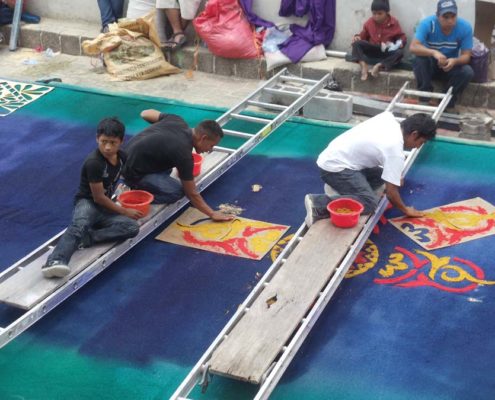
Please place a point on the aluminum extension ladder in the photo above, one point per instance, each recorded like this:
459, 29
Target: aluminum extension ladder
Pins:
243, 111
200, 374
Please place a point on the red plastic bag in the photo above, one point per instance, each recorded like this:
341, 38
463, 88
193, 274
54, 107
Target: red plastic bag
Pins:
226, 31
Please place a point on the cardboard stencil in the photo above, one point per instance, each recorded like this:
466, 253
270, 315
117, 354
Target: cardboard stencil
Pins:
450, 224
240, 237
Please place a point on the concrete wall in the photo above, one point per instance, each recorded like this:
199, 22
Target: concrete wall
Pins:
85, 10
350, 14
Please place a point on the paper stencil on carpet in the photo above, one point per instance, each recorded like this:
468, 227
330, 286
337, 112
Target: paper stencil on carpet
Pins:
240, 237
14, 95
450, 224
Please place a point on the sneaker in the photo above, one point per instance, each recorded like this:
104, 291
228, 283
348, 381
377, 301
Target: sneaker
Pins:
55, 269
312, 213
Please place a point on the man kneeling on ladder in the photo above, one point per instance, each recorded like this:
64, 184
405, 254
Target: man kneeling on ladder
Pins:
360, 160
166, 144
96, 217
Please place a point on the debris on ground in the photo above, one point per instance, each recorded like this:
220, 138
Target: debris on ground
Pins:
230, 209
256, 187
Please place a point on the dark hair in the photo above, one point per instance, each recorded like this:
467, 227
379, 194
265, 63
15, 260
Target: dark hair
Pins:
111, 127
421, 123
380, 5
210, 128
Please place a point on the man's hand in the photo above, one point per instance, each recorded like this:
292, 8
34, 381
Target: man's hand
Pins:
441, 59
411, 212
220, 216
451, 63
132, 213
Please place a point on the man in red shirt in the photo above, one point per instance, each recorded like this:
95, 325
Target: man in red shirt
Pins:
381, 39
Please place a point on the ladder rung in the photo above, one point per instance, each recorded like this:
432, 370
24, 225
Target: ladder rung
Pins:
237, 133
223, 149
415, 107
251, 119
425, 94
298, 93
269, 106
296, 79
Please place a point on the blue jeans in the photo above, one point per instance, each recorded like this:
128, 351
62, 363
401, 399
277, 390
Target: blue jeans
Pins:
426, 68
358, 185
99, 224
166, 189
110, 11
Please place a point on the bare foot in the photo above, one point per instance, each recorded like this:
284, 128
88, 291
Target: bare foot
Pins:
364, 71
375, 71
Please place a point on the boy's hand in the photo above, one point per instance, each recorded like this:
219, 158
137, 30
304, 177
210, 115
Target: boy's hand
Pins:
220, 216
132, 213
356, 38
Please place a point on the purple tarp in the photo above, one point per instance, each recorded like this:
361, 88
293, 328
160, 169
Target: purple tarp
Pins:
319, 29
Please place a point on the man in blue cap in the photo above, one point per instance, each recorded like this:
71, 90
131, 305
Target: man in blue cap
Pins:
442, 45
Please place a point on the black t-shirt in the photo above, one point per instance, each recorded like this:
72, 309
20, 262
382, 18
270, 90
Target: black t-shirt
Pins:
96, 168
160, 147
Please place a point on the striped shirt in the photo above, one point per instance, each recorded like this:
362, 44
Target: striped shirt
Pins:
430, 34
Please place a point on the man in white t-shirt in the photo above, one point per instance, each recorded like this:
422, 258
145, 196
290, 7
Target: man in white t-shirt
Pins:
363, 158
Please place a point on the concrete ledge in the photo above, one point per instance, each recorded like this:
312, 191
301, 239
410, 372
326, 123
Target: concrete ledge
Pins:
67, 36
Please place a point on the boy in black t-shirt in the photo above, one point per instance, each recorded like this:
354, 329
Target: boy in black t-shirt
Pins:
96, 217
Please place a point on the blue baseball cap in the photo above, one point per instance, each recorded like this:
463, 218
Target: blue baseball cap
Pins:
446, 6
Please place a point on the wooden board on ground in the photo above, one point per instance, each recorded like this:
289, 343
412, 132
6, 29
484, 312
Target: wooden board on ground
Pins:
240, 237
27, 287
449, 224
257, 339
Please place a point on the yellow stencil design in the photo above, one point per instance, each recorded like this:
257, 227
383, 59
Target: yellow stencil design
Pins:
442, 265
367, 259
459, 220
224, 231
395, 263
277, 249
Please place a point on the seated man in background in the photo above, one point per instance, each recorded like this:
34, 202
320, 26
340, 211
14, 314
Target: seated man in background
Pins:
442, 46
172, 19
363, 158
166, 144
381, 39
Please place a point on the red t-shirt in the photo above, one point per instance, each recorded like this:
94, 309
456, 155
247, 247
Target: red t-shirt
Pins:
388, 31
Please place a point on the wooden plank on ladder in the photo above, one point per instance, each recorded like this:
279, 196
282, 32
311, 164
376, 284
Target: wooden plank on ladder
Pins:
28, 287
256, 340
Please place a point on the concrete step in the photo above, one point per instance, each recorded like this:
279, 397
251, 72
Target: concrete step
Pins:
67, 36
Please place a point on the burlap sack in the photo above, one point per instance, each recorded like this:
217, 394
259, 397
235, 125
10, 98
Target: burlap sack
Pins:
128, 52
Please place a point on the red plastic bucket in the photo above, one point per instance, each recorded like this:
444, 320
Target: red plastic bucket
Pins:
197, 159
136, 199
345, 212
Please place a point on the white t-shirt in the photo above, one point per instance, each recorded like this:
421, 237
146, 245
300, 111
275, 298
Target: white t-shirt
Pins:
377, 142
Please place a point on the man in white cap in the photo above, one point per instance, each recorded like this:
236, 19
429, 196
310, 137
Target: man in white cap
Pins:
442, 45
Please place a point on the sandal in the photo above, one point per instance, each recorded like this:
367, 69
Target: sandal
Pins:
173, 44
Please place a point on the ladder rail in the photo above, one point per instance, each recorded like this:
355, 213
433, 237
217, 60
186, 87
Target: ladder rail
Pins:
290, 349
225, 117
308, 322
190, 381
98, 265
